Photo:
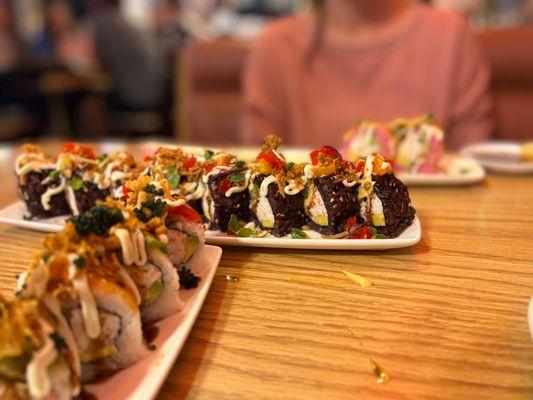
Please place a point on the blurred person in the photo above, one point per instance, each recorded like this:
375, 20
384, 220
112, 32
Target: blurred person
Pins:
311, 76
132, 58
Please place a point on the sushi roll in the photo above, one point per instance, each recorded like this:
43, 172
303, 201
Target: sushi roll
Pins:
115, 169
41, 188
421, 145
369, 137
331, 194
38, 354
100, 307
385, 202
227, 194
277, 191
78, 167
182, 172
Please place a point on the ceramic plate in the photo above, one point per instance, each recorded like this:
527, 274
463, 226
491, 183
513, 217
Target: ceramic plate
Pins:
143, 380
462, 171
14, 215
409, 237
502, 157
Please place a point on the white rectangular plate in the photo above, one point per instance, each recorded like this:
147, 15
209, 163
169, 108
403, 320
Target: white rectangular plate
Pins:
500, 157
14, 215
143, 380
409, 237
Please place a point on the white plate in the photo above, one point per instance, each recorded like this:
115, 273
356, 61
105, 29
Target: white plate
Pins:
409, 237
143, 380
14, 215
502, 157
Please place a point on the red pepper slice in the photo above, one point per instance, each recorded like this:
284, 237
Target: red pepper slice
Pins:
186, 212
84, 151
270, 157
125, 192
362, 232
224, 186
360, 166
189, 163
148, 158
327, 150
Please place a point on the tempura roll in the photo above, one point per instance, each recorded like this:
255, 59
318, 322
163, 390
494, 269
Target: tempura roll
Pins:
38, 354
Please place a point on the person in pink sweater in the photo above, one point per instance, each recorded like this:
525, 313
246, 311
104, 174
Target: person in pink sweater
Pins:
310, 77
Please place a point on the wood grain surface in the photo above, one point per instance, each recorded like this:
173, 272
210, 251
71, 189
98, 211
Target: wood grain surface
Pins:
447, 318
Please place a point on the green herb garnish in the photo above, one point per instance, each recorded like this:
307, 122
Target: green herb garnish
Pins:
59, 342
381, 236
150, 188
208, 154
245, 232
76, 183
235, 224
102, 159
238, 164
173, 177
46, 256
150, 209
298, 234
54, 175
79, 262
28, 217
238, 177
97, 220
288, 166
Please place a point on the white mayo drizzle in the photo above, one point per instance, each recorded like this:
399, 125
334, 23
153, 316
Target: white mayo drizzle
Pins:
71, 200
263, 189
133, 246
308, 171
33, 166
52, 191
37, 377
21, 280
89, 310
53, 305
239, 189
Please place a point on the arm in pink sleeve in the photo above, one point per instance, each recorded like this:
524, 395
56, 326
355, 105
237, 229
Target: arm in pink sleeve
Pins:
471, 109
262, 109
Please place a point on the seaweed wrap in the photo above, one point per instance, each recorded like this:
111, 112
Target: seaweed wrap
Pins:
331, 195
39, 186
385, 202
227, 194
38, 354
277, 191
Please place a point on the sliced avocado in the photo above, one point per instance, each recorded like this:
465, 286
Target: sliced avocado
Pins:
14, 368
266, 223
378, 220
191, 244
98, 353
321, 220
155, 290
153, 243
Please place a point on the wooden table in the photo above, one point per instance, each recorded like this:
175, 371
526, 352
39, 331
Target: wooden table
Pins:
447, 318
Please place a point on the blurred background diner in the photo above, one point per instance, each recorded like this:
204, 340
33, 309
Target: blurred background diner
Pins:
222, 72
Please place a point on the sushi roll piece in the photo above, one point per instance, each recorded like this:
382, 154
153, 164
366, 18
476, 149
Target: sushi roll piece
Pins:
227, 194
421, 145
38, 354
277, 191
100, 306
41, 188
136, 254
385, 202
114, 170
331, 194
182, 171
84, 186
369, 137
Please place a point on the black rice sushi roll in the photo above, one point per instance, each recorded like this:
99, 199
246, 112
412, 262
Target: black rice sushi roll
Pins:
39, 186
226, 181
331, 195
277, 191
385, 202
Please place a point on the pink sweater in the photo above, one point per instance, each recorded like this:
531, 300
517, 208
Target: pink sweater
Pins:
430, 63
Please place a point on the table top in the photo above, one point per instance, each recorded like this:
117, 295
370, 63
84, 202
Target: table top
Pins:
447, 319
